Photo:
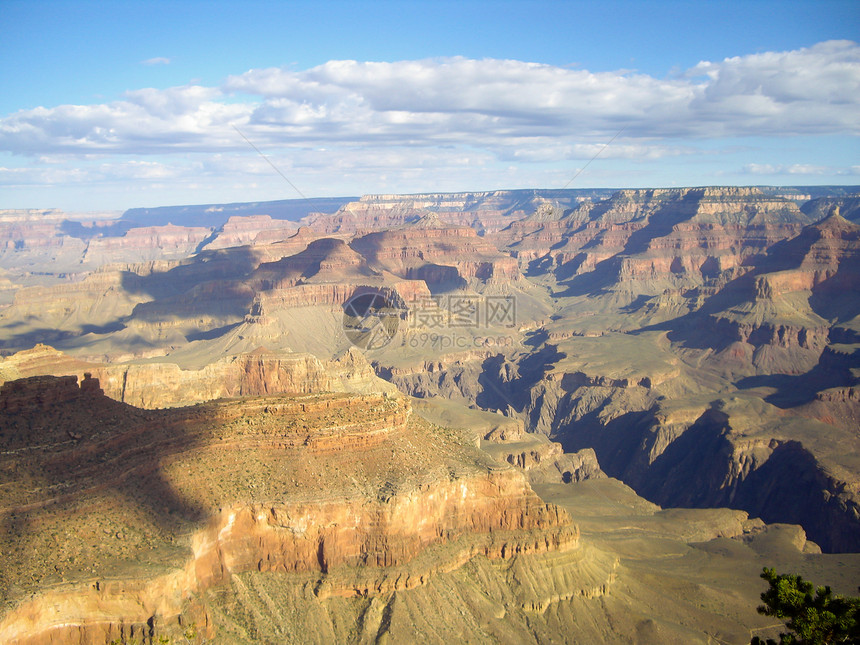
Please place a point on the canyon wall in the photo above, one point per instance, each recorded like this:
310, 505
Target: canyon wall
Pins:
394, 530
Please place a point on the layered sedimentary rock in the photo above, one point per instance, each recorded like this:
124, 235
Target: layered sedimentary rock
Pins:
327, 273
821, 207
778, 317
147, 307
741, 453
95, 303
657, 234
680, 445
333, 296
158, 385
238, 231
438, 254
326, 259
312, 519
545, 461
141, 244
28, 229
675, 246
354, 491
31, 240
452, 375
700, 344
649, 415
41, 360
481, 211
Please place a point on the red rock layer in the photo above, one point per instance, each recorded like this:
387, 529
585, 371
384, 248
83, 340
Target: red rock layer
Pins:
154, 242
694, 231
240, 230
410, 250
486, 212
360, 539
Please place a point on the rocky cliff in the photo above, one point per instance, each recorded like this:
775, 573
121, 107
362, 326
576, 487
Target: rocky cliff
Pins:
32, 240
442, 256
158, 385
205, 493
148, 243
338, 518
699, 344
485, 212
656, 235
238, 231
327, 274
741, 453
777, 318
649, 408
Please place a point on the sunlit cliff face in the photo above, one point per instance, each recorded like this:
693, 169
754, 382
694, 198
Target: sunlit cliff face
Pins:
697, 345
313, 485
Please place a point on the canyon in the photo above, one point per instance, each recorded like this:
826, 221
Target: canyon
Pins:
585, 409
286, 521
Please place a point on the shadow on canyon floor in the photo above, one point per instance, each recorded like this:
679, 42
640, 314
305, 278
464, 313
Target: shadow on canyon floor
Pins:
114, 457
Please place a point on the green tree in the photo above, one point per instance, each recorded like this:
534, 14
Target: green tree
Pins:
814, 615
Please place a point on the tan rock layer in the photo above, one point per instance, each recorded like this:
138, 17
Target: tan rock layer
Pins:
159, 385
358, 542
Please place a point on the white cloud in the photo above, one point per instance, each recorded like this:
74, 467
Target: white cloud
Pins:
457, 99
493, 104
158, 60
812, 90
445, 117
797, 169
147, 121
561, 151
761, 169
119, 171
28, 176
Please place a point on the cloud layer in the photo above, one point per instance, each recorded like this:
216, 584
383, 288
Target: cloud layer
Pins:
455, 111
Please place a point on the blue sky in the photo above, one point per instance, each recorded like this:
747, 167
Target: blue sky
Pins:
112, 105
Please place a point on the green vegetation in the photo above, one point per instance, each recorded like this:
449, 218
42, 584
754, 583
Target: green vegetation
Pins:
815, 615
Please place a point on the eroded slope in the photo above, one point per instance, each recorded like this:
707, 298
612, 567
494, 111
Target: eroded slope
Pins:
119, 519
